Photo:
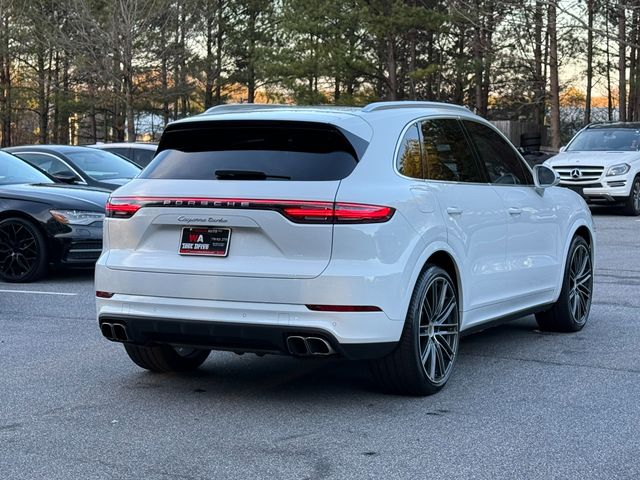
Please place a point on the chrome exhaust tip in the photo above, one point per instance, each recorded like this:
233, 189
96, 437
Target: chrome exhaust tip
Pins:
297, 346
318, 346
107, 330
120, 332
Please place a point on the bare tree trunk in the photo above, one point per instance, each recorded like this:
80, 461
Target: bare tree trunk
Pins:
184, 97
92, 113
622, 62
57, 89
164, 77
634, 67
487, 48
458, 93
587, 106
554, 92
392, 68
5, 84
210, 67
412, 63
609, 93
539, 77
43, 106
478, 64
63, 133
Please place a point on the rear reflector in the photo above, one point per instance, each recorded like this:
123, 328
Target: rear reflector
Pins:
297, 211
343, 308
100, 294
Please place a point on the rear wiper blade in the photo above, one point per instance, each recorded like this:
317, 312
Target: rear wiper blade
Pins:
246, 175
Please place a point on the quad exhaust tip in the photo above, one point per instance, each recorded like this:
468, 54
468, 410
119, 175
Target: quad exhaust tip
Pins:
309, 346
116, 332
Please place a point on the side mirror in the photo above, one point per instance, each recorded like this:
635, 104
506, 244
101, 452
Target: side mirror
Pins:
562, 149
545, 177
68, 178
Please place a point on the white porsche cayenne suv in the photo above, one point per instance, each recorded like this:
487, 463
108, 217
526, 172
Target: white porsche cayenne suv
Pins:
380, 233
602, 163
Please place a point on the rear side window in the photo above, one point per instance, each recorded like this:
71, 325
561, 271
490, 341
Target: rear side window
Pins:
48, 163
142, 156
502, 162
448, 156
125, 152
409, 159
253, 151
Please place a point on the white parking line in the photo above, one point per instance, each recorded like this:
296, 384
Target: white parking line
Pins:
38, 292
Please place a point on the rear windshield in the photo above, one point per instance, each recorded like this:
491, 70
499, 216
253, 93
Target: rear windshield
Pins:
101, 165
253, 151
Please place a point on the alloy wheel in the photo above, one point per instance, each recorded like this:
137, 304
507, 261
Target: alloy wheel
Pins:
439, 330
580, 284
18, 250
636, 195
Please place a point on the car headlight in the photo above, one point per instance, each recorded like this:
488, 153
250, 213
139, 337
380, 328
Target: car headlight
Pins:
76, 217
619, 169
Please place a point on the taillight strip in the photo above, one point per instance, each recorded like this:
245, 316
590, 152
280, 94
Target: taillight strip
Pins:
297, 211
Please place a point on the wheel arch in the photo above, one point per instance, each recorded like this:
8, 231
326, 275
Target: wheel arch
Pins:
582, 229
440, 255
29, 218
5, 214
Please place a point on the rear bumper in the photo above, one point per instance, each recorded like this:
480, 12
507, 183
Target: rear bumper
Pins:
237, 337
231, 320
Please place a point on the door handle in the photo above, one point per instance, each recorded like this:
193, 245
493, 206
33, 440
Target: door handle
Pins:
454, 211
515, 211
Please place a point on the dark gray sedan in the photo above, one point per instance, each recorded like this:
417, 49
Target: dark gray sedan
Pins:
79, 165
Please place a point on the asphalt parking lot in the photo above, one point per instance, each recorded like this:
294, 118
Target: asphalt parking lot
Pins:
520, 405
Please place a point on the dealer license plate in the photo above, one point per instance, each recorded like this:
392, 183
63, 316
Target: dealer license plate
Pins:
213, 242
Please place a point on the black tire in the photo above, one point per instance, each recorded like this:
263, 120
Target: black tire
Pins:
23, 251
632, 203
571, 311
165, 358
404, 371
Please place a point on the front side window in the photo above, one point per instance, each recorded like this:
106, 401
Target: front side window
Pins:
448, 156
503, 164
409, 159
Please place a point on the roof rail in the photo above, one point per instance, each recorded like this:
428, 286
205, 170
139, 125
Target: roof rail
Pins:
241, 107
374, 107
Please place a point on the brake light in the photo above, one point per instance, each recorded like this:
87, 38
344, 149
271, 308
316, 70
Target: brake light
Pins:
124, 208
101, 294
297, 211
357, 213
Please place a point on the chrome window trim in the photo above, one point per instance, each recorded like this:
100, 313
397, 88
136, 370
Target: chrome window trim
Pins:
426, 180
47, 154
520, 157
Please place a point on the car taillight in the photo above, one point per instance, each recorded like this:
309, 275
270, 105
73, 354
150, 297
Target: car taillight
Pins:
122, 208
338, 212
303, 211
358, 213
